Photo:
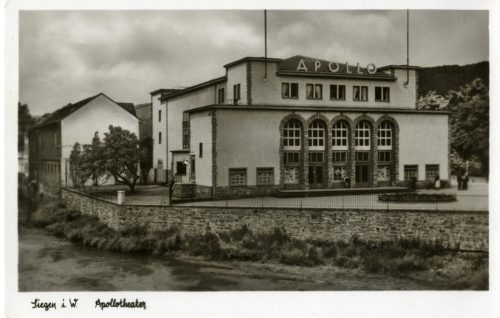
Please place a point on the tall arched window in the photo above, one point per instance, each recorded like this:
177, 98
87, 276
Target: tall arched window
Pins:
384, 134
362, 135
340, 133
316, 132
292, 132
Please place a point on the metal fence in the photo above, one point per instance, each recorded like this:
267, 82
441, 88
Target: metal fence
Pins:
154, 196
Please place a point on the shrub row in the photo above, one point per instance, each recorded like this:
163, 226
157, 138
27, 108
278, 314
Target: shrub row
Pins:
417, 197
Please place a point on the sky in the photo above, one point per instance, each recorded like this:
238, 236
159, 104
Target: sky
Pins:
66, 56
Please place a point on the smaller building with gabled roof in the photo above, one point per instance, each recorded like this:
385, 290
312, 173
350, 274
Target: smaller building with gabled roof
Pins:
53, 137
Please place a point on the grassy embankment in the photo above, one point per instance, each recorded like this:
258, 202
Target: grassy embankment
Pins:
431, 262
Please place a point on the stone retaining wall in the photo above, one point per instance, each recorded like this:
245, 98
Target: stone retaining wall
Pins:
468, 230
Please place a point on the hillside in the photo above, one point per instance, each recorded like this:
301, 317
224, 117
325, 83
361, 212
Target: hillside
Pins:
443, 78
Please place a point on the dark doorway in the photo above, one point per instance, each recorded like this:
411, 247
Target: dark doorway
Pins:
362, 175
316, 177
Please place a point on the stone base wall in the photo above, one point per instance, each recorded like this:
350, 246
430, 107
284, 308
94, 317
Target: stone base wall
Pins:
468, 230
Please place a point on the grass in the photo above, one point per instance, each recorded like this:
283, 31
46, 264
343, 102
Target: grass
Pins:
399, 258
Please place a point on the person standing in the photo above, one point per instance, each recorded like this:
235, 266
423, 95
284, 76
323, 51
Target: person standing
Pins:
465, 181
459, 180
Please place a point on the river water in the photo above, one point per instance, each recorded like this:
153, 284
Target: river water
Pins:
49, 263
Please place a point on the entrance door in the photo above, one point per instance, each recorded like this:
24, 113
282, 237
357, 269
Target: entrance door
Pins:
362, 175
316, 177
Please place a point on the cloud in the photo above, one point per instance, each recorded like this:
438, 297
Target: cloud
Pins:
70, 55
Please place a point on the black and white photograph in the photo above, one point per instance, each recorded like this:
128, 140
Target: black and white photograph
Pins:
249, 150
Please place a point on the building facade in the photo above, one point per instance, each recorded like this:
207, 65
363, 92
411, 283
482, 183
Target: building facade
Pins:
299, 123
51, 140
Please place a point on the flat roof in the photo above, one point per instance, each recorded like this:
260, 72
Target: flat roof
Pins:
195, 87
253, 58
318, 108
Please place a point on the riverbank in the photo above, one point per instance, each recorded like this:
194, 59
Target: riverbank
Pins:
242, 260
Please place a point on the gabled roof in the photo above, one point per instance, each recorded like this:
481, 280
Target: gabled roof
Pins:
404, 67
65, 111
289, 67
165, 91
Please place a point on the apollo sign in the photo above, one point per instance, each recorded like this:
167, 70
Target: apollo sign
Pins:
335, 67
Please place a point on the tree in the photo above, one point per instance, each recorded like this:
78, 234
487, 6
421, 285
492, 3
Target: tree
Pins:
469, 122
432, 101
25, 121
121, 155
146, 149
88, 163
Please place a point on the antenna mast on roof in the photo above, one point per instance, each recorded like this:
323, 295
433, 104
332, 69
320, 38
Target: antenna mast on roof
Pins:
264, 78
405, 84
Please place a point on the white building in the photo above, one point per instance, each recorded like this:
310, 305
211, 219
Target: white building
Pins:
298, 123
52, 139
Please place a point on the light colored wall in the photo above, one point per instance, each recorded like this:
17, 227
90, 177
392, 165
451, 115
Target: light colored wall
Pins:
247, 139
97, 115
269, 92
177, 105
237, 74
423, 140
159, 150
201, 131
250, 139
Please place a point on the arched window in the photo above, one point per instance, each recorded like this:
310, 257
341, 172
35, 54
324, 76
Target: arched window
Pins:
362, 135
385, 134
316, 139
340, 133
292, 132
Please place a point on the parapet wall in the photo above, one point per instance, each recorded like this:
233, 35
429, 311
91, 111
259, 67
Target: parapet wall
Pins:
468, 230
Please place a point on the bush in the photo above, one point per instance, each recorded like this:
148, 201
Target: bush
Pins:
413, 197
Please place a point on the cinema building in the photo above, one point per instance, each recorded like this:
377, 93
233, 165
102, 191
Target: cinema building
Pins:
297, 123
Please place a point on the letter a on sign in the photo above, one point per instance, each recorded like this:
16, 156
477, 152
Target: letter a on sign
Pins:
302, 66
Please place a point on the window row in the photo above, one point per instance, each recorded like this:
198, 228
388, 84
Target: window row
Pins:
337, 92
238, 176
292, 135
293, 157
431, 172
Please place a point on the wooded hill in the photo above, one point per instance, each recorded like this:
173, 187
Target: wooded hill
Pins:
443, 78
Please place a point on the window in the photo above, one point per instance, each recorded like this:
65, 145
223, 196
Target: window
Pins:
337, 92
339, 156
316, 157
340, 135
159, 115
360, 93
185, 131
180, 168
159, 164
236, 93
290, 90
265, 176
220, 96
314, 91
431, 172
362, 135
292, 175
55, 140
316, 139
159, 138
200, 150
291, 158
411, 171
382, 94
362, 156
384, 134
384, 156
384, 173
292, 132
237, 176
